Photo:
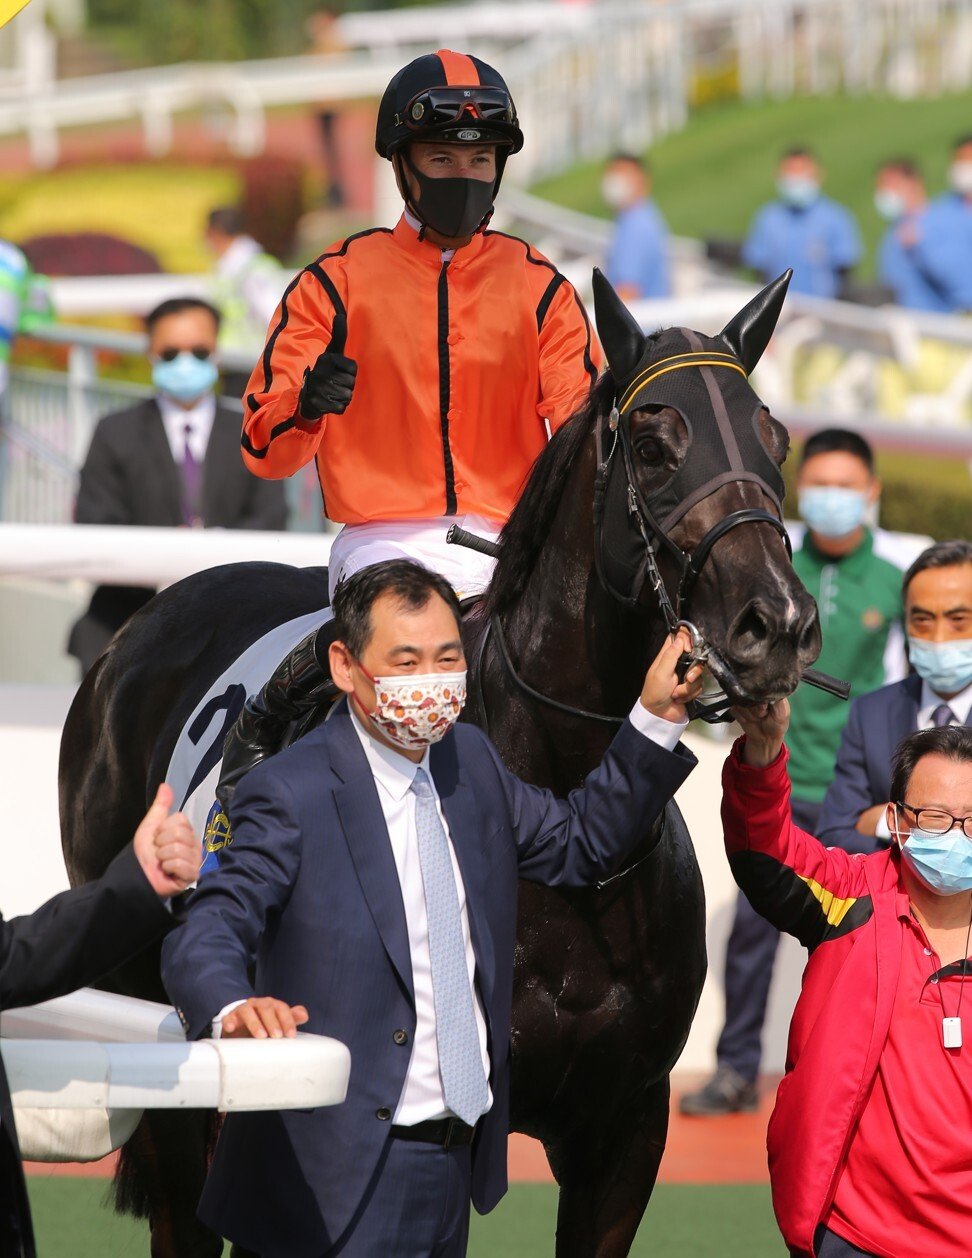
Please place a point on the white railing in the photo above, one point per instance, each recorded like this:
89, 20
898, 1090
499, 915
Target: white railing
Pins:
83, 1067
586, 76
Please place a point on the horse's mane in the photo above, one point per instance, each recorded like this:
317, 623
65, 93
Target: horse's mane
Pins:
527, 528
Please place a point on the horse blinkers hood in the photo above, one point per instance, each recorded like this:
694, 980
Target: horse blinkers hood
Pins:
705, 380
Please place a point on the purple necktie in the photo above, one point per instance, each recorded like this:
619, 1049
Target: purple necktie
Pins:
943, 715
190, 482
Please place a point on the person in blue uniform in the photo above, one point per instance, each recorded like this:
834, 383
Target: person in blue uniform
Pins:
803, 229
637, 256
946, 248
902, 201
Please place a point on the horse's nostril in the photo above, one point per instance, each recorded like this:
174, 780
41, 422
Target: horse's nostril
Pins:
752, 627
808, 635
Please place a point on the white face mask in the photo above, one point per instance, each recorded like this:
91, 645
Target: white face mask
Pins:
616, 189
415, 711
960, 177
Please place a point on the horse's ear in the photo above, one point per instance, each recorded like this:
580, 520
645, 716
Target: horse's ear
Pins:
623, 340
748, 333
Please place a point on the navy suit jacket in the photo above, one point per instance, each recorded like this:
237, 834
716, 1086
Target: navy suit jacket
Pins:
877, 723
308, 889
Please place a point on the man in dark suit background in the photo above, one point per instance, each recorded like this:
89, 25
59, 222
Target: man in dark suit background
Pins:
372, 877
170, 461
76, 938
938, 620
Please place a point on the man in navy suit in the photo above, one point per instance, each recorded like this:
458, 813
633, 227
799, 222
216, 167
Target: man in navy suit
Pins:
938, 619
372, 879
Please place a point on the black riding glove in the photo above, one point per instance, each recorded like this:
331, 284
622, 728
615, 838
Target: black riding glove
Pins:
328, 385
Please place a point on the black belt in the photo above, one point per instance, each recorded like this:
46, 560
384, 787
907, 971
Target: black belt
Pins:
451, 1133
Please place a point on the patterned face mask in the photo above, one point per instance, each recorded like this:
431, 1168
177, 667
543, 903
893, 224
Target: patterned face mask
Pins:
415, 711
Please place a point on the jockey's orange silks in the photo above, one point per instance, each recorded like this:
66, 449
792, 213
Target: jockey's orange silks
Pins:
461, 367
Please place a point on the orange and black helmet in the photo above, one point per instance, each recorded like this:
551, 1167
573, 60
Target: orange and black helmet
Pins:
447, 96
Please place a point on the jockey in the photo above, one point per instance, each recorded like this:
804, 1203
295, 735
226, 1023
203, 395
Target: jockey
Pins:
423, 366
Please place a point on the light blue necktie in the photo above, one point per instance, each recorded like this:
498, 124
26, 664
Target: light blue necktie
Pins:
460, 1060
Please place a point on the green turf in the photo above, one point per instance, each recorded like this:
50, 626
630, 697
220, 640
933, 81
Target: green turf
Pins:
711, 176
684, 1221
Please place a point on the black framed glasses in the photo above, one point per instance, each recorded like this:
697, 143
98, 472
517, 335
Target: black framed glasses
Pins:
937, 821
201, 352
438, 106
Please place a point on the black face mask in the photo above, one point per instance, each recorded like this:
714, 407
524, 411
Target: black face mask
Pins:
453, 207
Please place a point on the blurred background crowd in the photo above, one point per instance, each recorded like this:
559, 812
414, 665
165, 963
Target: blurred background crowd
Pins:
164, 170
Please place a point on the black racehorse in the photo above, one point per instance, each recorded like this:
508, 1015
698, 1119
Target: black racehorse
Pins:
658, 501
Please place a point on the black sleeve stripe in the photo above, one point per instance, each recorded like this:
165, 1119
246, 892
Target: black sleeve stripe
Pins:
588, 360
547, 298
272, 341
327, 284
315, 269
794, 904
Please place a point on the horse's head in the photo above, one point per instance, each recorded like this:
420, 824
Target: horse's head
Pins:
689, 495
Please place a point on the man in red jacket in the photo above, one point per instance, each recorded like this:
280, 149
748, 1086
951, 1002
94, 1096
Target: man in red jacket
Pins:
870, 1143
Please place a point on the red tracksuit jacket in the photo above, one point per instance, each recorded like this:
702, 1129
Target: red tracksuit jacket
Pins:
842, 908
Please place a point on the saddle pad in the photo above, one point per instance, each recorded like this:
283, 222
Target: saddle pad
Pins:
195, 763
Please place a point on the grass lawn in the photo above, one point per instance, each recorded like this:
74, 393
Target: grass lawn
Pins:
712, 176
684, 1221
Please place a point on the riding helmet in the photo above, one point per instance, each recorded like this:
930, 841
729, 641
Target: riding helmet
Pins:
447, 96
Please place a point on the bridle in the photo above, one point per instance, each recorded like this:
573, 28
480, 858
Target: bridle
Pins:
613, 443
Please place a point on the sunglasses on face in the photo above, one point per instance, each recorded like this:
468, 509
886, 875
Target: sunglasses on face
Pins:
199, 351
441, 105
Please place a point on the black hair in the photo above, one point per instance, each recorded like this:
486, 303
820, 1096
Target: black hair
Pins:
408, 582
226, 219
954, 742
178, 305
962, 141
906, 166
624, 155
830, 440
948, 554
800, 150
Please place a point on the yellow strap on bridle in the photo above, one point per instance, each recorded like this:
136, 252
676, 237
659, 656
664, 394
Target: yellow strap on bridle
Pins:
701, 358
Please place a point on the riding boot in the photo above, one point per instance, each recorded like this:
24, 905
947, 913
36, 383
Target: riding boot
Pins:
300, 685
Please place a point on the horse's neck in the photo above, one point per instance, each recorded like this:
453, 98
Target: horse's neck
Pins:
566, 626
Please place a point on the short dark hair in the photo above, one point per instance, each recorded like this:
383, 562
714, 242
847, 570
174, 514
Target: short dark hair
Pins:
954, 742
409, 582
830, 440
906, 166
634, 159
800, 150
179, 305
226, 219
962, 141
948, 554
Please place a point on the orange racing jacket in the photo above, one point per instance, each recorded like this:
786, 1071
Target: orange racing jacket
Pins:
459, 365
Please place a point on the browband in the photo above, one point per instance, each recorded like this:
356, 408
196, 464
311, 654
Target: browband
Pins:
698, 358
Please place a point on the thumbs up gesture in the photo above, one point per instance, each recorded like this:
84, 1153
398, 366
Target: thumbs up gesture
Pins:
328, 385
166, 846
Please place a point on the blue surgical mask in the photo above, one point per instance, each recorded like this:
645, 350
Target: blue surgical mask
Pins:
186, 377
797, 190
946, 666
943, 862
831, 510
890, 205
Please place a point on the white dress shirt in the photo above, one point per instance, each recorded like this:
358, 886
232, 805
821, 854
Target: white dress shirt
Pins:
198, 419
961, 705
422, 1097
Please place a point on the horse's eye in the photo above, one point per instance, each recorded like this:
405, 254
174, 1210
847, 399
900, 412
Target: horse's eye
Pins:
650, 451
